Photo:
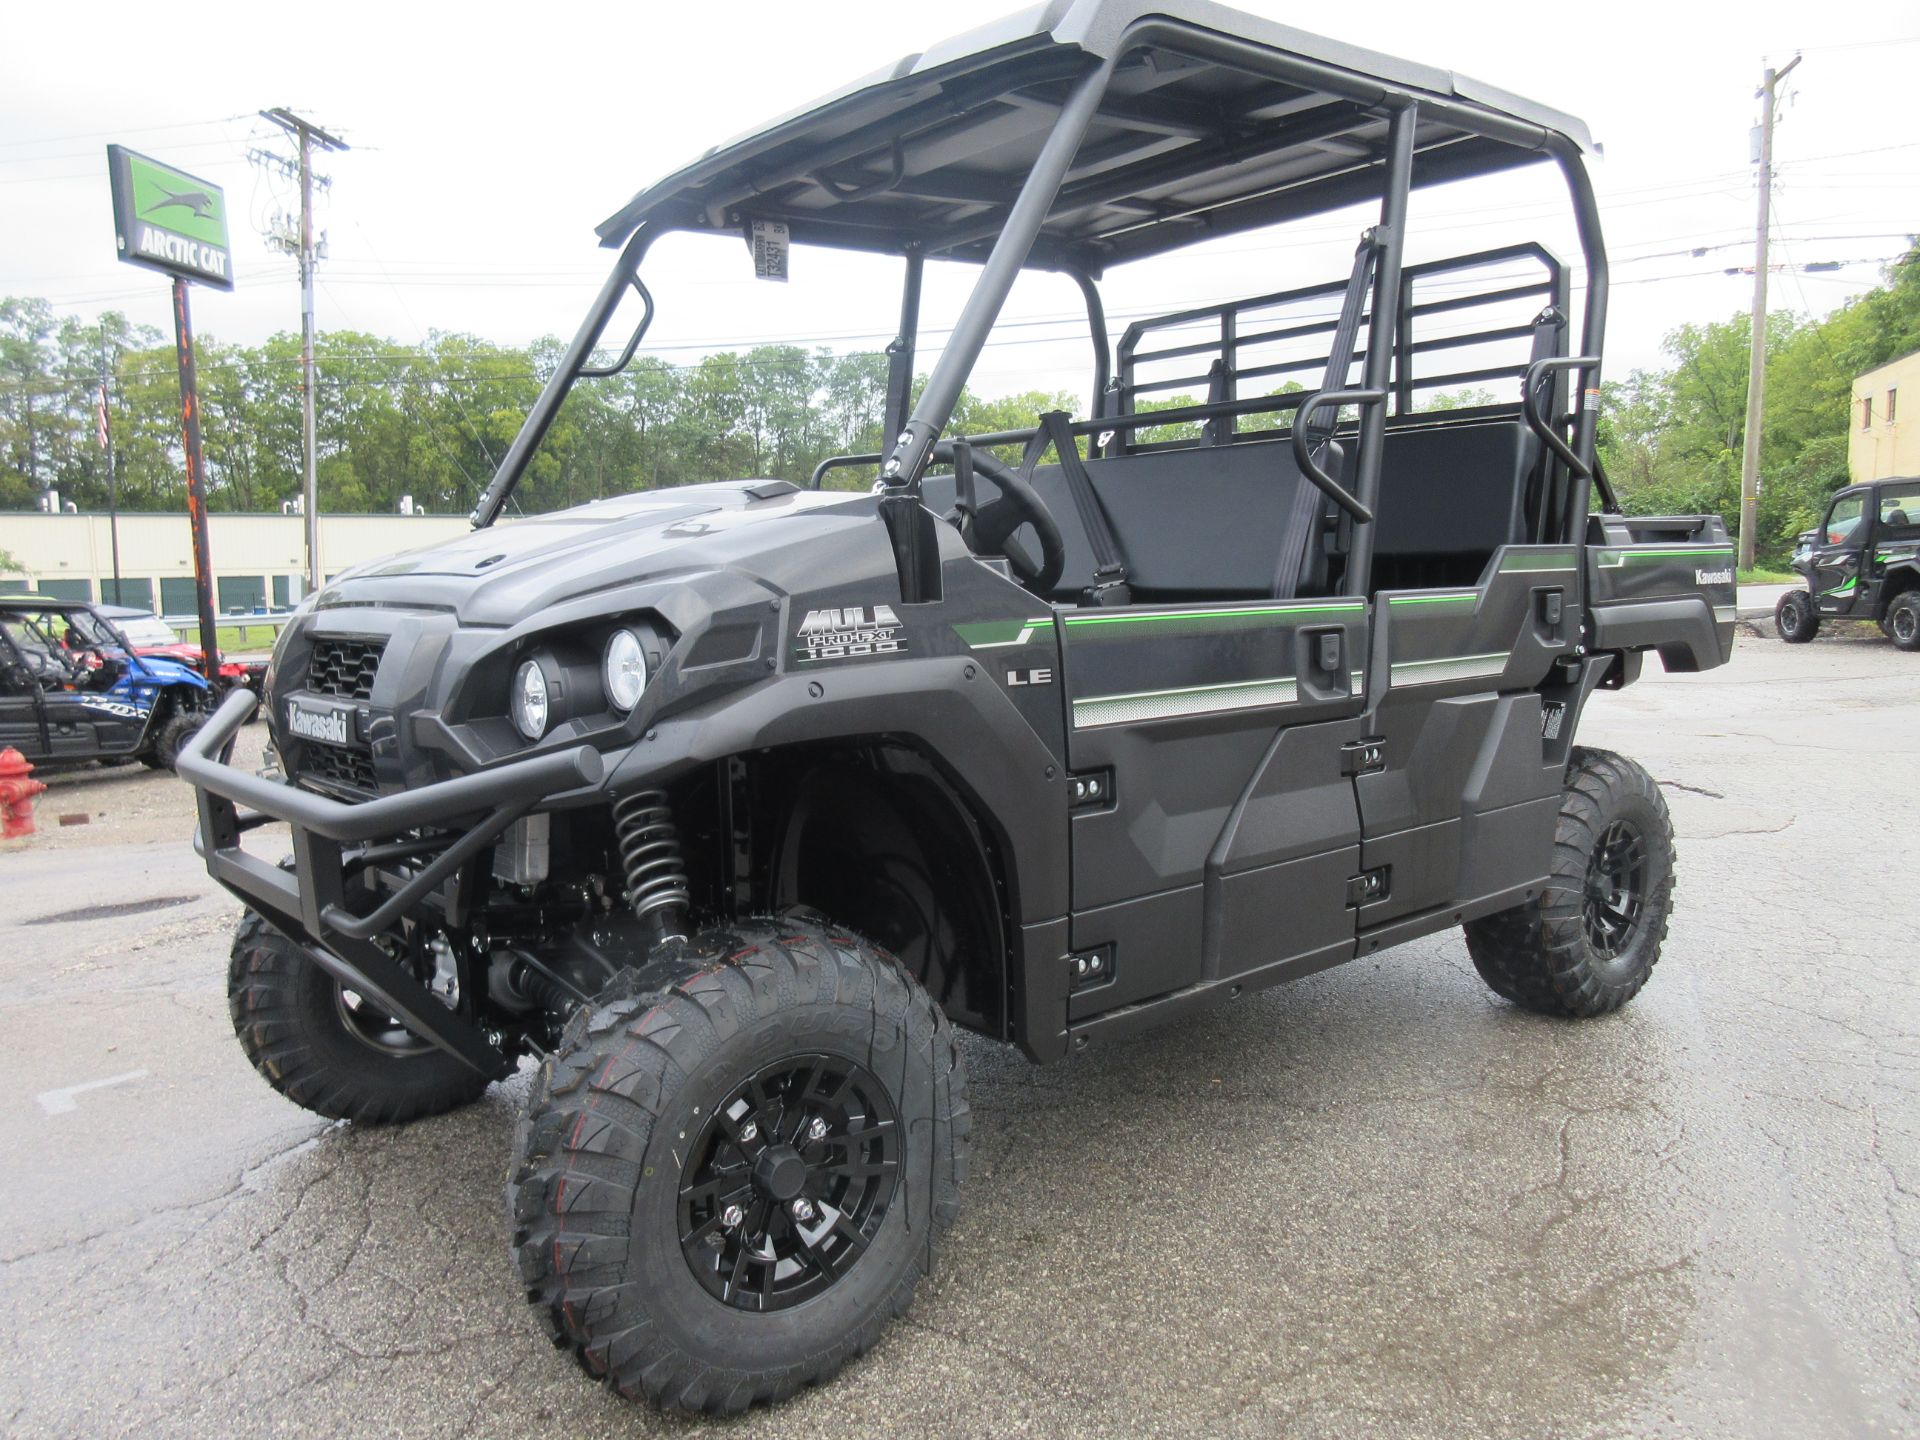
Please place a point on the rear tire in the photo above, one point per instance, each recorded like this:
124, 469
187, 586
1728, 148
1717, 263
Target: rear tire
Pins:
637, 1146
294, 1025
1591, 938
1796, 618
1903, 620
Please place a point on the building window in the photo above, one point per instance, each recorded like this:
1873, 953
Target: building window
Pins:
242, 594
135, 593
1866, 412
177, 596
1893, 398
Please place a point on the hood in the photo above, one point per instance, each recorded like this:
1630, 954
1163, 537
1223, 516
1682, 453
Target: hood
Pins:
171, 672
504, 572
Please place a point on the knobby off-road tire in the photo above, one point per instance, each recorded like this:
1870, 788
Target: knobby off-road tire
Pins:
300, 1035
1589, 941
1796, 618
1903, 621
618, 1219
174, 731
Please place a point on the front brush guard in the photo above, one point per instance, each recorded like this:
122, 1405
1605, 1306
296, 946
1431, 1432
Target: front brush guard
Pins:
308, 903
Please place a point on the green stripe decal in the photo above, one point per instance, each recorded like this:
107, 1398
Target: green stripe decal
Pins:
1607, 559
1262, 612
993, 634
1467, 599
1100, 710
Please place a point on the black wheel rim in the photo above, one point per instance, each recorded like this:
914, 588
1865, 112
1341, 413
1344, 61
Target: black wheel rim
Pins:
1794, 616
1616, 889
789, 1181
374, 1028
1905, 622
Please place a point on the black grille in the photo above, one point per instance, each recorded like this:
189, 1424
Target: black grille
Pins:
344, 668
337, 768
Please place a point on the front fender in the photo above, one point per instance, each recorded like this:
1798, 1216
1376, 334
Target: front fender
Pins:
950, 708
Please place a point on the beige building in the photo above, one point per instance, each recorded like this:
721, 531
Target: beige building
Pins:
259, 561
1882, 436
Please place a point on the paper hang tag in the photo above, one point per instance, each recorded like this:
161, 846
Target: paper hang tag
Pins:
768, 241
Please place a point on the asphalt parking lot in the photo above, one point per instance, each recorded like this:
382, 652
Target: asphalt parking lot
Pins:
1378, 1201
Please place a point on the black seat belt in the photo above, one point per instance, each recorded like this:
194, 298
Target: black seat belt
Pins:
1109, 568
1300, 536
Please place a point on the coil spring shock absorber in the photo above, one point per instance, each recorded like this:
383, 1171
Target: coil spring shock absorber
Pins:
650, 855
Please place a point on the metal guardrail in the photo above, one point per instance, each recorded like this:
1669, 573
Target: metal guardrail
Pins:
256, 627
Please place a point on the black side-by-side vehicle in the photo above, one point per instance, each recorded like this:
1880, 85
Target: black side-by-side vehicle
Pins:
1863, 563
728, 803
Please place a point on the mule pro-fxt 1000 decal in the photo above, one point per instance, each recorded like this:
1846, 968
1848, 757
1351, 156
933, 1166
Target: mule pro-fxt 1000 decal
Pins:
849, 632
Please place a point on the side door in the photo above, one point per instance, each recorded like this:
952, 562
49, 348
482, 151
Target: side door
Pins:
1457, 808
1838, 552
21, 724
1895, 541
1204, 745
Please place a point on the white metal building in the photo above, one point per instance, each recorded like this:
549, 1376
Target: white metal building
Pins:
259, 561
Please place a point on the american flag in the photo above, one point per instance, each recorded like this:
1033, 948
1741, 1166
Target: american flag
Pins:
100, 427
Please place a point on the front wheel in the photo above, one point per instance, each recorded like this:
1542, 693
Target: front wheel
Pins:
1796, 618
737, 1164
324, 1047
174, 732
1591, 938
1903, 620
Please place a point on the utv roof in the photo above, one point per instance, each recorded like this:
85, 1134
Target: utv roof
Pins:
1215, 122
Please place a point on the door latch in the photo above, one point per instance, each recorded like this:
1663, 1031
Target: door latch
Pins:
1365, 756
1369, 886
1329, 654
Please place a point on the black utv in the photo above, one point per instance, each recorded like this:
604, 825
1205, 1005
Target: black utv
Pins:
1863, 563
728, 803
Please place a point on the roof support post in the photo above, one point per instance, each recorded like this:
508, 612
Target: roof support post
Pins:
554, 393
1593, 330
908, 451
1102, 351
1382, 321
900, 352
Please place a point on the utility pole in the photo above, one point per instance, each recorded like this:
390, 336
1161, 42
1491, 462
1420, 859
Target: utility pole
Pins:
106, 444
1757, 354
307, 135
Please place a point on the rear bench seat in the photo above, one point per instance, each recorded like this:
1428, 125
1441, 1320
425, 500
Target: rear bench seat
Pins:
1205, 523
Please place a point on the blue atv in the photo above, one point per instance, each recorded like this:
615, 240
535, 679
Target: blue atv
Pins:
72, 690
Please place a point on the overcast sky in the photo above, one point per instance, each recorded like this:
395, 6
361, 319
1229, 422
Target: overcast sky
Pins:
488, 140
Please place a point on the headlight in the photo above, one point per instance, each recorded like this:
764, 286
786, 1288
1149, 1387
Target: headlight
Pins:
624, 670
529, 703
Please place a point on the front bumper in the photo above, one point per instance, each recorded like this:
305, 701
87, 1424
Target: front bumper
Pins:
332, 841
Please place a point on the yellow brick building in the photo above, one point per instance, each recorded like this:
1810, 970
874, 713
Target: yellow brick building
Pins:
1883, 437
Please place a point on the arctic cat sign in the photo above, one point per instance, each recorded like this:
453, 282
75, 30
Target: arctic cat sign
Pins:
167, 220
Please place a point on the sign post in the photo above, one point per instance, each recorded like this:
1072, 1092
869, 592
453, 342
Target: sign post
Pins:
167, 220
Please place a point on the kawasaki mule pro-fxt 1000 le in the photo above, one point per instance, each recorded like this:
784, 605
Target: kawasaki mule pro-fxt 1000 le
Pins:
729, 802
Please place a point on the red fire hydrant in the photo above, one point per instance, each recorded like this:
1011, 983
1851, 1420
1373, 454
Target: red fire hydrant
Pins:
17, 789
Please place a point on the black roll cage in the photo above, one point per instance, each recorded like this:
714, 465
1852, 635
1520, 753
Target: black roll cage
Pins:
1017, 230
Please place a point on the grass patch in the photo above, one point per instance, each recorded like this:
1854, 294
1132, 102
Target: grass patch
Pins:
1761, 576
235, 638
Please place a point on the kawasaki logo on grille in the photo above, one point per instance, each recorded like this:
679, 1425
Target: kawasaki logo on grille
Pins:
327, 725
1713, 577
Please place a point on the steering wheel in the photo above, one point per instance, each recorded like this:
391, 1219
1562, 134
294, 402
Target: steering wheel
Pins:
990, 531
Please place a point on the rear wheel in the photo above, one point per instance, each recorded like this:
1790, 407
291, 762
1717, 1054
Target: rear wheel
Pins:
1796, 618
324, 1047
737, 1164
1591, 938
1903, 620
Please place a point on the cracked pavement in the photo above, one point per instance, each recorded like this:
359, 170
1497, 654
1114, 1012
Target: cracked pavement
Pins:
1377, 1200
